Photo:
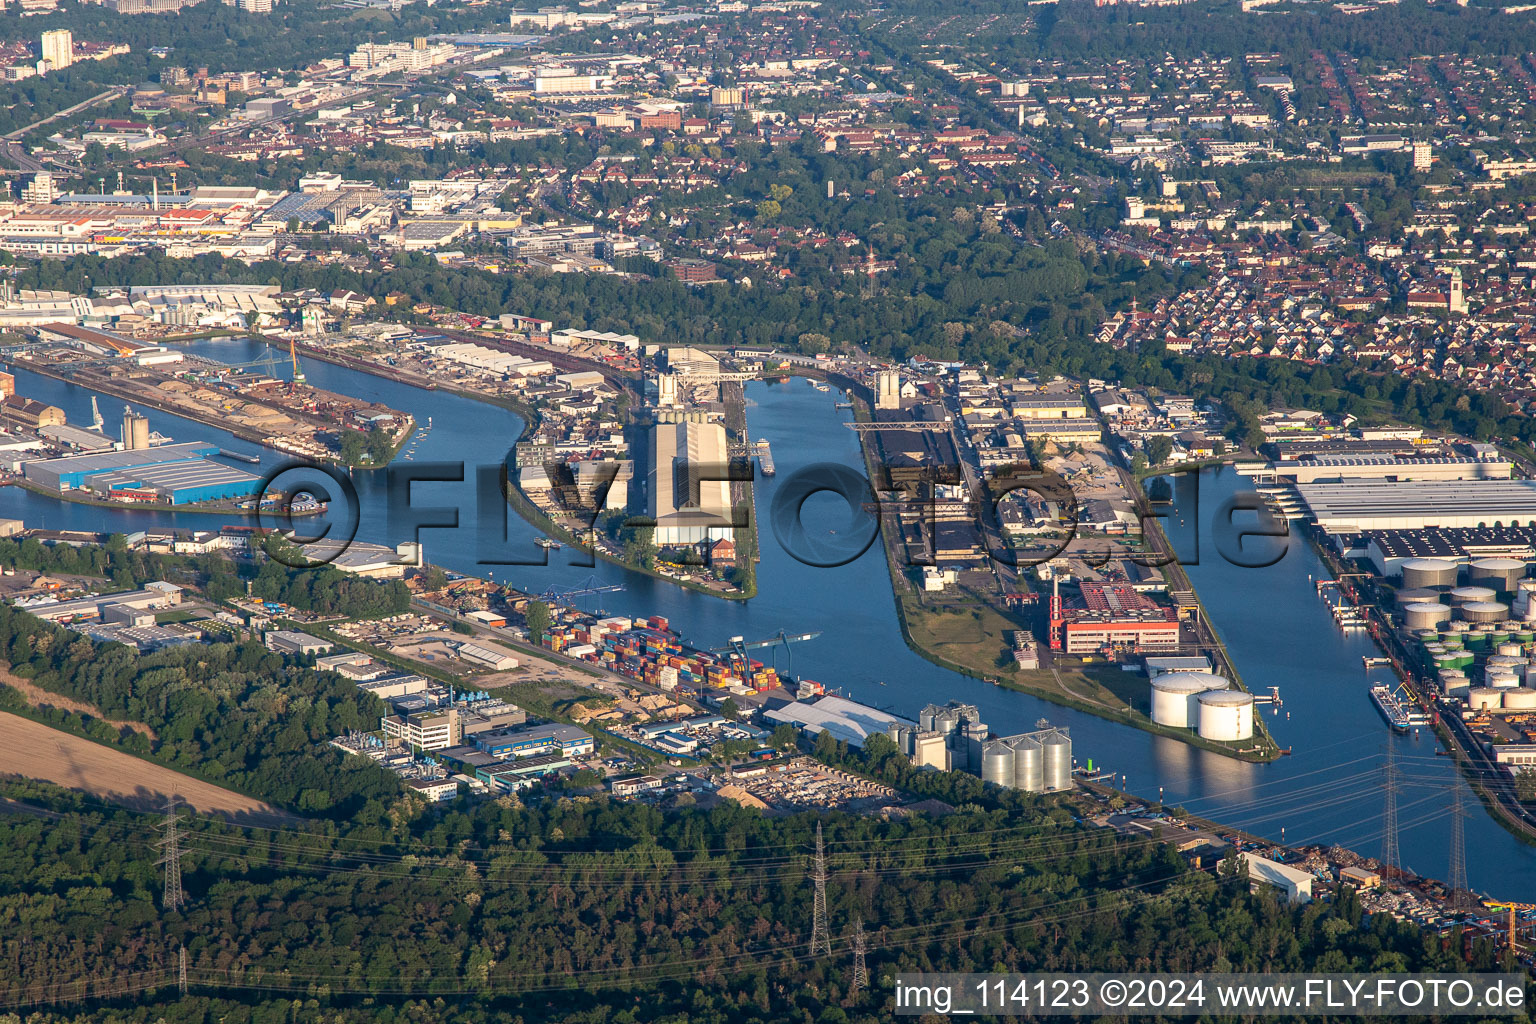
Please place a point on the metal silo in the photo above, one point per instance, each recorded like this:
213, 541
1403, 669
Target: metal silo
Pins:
1058, 760
1425, 616
1521, 698
1028, 764
1484, 611
1502, 574
1173, 696
1484, 698
997, 763
1429, 573
1470, 595
1226, 715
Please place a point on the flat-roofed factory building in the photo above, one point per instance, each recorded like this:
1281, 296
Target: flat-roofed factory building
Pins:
174, 473
689, 495
1358, 505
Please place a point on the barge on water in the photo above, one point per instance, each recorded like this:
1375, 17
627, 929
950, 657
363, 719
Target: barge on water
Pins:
1395, 706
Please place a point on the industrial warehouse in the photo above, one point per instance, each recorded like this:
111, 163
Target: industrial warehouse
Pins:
175, 474
690, 493
1357, 505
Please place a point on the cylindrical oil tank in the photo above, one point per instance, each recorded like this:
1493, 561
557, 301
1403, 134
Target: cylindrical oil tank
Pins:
1484, 611
1485, 698
1455, 687
1502, 574
1468, 595
1428, 573
1416, 595
1058, 760
1226, 715
1521, 698
1476, 641
1028, 765
997, 763
1425, 616
1511, 649
1174, 693
1501, 680
1504, 662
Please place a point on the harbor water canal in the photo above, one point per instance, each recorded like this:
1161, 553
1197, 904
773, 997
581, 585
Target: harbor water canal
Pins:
1276, 627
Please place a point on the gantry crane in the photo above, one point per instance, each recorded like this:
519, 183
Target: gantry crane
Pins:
587, 587
738, 647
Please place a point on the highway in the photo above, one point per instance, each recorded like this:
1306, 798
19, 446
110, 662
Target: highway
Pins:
10, 147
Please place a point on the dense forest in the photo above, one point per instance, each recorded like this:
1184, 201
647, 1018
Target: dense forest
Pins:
586, 910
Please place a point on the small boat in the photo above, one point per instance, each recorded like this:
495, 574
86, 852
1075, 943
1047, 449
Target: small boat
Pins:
547, 544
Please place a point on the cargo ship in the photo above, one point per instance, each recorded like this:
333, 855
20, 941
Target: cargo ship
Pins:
1399, 712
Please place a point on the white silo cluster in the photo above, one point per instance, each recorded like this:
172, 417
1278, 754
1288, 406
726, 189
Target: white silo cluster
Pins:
1036, 762
1204, 702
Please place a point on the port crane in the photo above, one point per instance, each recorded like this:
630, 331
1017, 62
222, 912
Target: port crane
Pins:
586, 588
293, 354
1512, 908
739, 646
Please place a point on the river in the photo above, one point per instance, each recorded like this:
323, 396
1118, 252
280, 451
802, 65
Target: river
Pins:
1277, 629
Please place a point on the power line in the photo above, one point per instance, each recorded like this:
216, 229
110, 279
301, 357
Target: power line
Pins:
860, 975
821, 940
1390, 857
171, 844
1457, 882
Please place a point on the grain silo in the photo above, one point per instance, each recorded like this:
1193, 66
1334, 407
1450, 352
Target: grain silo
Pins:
1058, 759
1429, 573
1174, 693
1502, 574
1226, 715
1028, 763
997, 763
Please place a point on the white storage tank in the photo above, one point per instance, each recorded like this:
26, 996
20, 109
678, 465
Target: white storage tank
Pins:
1470, 595
1429, 573
1508, 650
1028, 764
1484, 611
1174, 693
1521, 698
1484, 698
1502, 680
1502, 574
1058, 759
1425, 616
1416, 596
1226, 715
997, 763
